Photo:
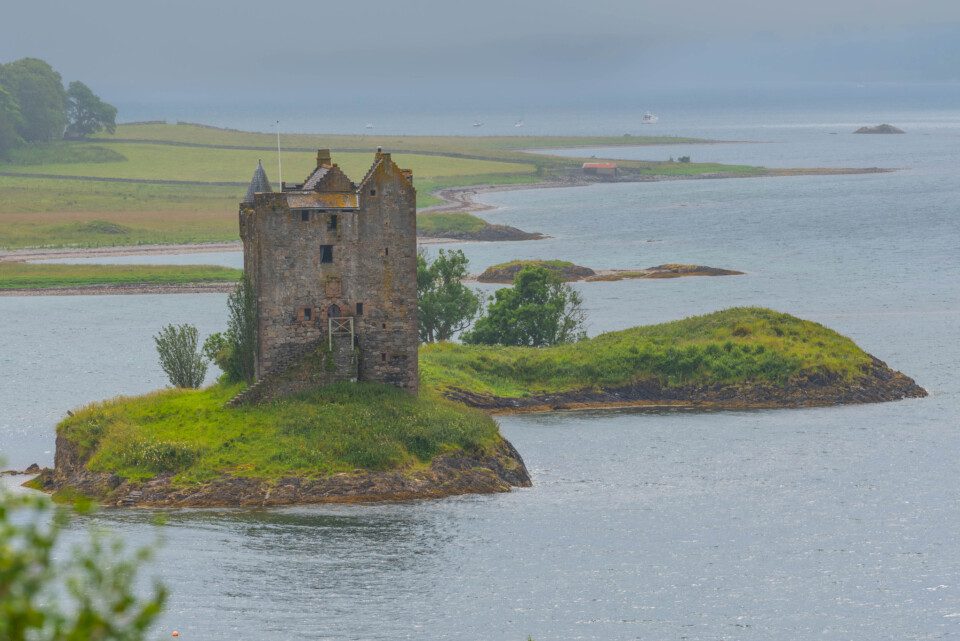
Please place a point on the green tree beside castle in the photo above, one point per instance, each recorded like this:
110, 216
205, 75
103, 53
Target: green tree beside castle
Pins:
538, 311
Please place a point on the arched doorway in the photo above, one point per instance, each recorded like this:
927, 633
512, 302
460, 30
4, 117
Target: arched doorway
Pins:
333, 311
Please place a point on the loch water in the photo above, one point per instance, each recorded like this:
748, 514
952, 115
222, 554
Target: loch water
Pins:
827, 523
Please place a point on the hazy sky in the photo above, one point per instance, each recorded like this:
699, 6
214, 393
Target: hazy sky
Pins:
427, 49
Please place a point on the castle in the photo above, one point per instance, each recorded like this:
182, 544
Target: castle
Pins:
333, 269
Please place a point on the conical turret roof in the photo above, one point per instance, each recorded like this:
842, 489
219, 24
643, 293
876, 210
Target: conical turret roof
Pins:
259, 183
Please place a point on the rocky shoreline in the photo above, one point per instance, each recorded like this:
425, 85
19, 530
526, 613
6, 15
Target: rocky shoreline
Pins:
878, 384
489, 232
447, 475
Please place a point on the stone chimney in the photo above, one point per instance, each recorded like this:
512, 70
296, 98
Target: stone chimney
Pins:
323, 158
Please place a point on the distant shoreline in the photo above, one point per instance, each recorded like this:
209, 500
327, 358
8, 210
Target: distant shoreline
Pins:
456, 200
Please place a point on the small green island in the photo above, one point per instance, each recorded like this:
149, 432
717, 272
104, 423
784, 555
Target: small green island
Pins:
570, 272
352, 442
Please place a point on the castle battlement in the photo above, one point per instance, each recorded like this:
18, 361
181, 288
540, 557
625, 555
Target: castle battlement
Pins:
328, 249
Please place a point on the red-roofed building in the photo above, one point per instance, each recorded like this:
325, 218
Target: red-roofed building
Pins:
600, 168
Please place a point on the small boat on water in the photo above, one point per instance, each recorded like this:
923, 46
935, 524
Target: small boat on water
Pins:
478, 124
648, 118
519, 123
369, 125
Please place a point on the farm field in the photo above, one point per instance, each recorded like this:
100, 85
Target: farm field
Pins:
166, 184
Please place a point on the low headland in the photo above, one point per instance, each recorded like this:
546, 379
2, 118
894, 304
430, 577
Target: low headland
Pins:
179, 184
366, 442
570, 272
47, 279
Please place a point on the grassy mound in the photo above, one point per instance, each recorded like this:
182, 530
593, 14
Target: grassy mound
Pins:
190, 433
440, 223
730, 346
505, 272
45, 276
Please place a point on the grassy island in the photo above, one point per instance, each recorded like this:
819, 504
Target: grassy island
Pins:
739, 357
192, 434
365, 441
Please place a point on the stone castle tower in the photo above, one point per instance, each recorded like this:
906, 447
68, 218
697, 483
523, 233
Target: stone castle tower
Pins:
332, 264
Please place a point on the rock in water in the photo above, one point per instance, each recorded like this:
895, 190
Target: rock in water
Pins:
880, 129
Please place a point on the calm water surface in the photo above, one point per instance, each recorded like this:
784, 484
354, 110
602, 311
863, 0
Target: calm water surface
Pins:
833, 523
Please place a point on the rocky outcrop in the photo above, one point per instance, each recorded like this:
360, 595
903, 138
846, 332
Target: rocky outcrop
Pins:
667, 270
450, 474
880, 129
506, 272
488, 232
878, 384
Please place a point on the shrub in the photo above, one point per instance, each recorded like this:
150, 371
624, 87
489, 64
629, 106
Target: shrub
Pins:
177, 346
87, 594
445, 305
539, 310
233, 351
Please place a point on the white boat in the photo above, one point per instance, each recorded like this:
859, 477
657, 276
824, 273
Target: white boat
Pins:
369, 125
478, 124
519, 123
648, 118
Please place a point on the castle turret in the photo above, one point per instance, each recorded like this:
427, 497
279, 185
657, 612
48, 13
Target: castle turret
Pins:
259, 183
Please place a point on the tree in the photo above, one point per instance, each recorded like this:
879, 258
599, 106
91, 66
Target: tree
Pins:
10, 122
445, 305
38, 90
86, 113
184, 365
234, 350
90, 596
538, 310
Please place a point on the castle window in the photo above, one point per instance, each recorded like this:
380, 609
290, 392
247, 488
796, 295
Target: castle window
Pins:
326, 253
307, 313
373, 192
332, 222
359, 309
383, 357
386, 251
304, 215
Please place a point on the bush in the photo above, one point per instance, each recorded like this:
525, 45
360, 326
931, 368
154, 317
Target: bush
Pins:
233, 351
89, 595
539, 310
445, 305
184, 365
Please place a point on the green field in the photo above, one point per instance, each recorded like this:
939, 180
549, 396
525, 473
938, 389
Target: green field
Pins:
336, 429
44, 276
48, 193
731, 346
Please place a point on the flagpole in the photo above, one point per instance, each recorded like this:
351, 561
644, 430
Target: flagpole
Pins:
279, 162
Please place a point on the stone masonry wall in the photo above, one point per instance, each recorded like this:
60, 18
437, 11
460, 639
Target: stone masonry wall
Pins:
373, 265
